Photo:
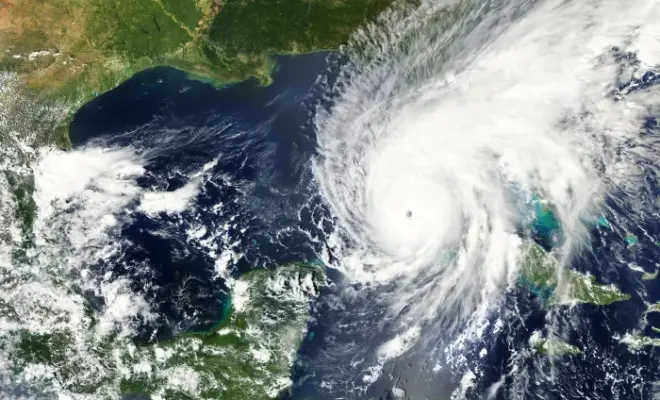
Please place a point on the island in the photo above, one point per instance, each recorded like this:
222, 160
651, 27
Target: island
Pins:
542, 274
636, 339
555, 285
649, 276
552, 346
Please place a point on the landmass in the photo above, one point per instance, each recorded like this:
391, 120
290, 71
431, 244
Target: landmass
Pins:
66, 52
653, 308
542, 274
248, 356
552, 346
647, 276
58, 55
637, 341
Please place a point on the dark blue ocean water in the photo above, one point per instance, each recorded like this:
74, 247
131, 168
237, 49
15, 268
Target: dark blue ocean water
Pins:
261, 188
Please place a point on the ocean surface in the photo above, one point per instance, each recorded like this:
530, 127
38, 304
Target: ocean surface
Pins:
262, 139
262, 203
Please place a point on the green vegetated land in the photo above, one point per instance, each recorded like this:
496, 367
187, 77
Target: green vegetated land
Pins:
552, 346
69, 51
636, 339
249, 356
57, 55
541, 274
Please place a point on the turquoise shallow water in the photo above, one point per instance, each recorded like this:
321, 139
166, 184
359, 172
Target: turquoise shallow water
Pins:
263, 139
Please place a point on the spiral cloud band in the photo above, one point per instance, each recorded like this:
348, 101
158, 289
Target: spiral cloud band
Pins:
446, 118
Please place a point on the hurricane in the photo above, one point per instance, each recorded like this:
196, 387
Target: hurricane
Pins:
449, 120
459, 203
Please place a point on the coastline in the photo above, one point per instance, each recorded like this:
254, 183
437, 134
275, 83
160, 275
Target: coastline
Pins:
149, 92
